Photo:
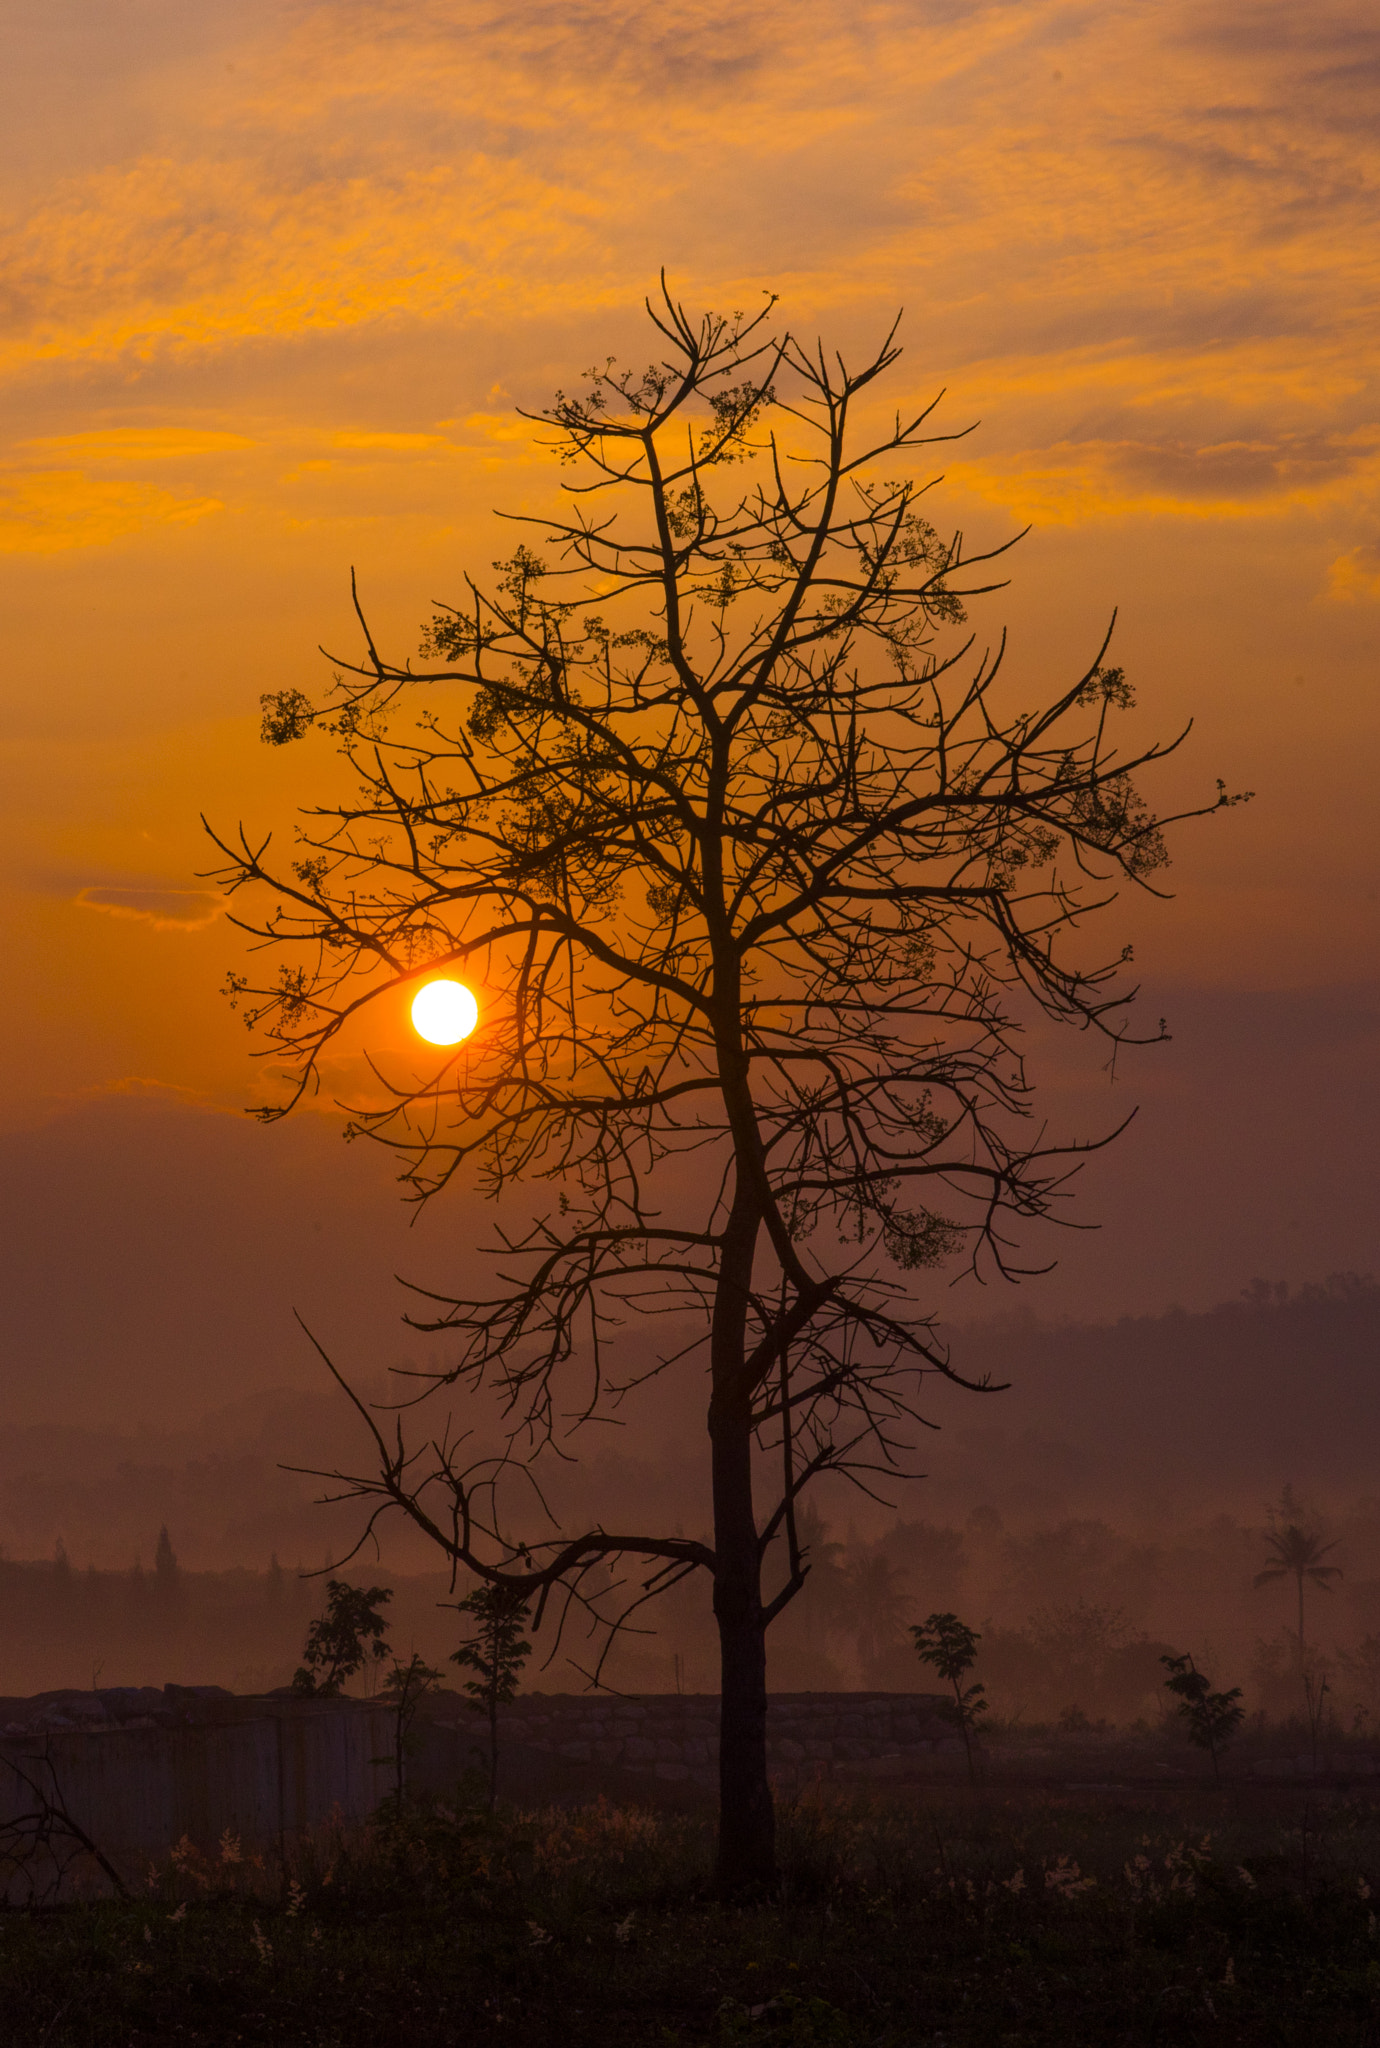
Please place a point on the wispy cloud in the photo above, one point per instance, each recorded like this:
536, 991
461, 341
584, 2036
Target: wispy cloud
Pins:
1022, 167
1076, 481
1355, 576
167, 910
176, 258
42, 511
393, 444
135, 445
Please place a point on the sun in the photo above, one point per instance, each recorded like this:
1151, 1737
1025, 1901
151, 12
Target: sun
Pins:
444, 1012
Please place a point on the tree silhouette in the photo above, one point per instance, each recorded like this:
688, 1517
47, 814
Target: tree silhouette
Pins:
1297, 1553
950, 1646
1212, 1717
762, 885
347, 1637
496, 1653
405, 1688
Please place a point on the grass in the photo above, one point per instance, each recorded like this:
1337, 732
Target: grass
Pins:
950, 1920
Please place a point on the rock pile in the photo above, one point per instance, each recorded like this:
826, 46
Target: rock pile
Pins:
111, 1706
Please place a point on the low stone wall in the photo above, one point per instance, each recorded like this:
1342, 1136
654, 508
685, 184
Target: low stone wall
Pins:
674, 1737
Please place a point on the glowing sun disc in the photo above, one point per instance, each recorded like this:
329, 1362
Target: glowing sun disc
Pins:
444, 1012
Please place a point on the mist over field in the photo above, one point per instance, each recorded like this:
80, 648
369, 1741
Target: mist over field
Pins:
1110, 1505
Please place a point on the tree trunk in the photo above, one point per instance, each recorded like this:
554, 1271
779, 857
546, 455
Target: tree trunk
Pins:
747, 1823
964, 1731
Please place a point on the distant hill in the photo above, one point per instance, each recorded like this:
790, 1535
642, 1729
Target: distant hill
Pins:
1179, 1410
1179, 1414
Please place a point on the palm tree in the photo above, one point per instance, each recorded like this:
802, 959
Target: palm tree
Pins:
1297, 1553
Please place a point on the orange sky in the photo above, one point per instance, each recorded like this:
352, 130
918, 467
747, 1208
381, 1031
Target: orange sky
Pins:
275, 276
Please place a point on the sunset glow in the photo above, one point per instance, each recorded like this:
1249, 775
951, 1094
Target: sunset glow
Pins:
281, 277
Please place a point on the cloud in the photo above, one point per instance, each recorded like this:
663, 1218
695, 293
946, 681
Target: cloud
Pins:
137, 444
42, 511
1134, 238
1070, 482
1355, 576
167, 910
1247, 28
401, 444
145, 1088
181, 257
373, 162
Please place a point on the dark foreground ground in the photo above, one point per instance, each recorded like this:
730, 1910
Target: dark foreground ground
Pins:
1001, 1918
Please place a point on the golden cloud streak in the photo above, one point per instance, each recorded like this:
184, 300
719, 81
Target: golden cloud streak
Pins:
44, 511
177, 257
137, 444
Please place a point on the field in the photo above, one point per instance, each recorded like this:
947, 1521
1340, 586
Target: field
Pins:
1002, 1918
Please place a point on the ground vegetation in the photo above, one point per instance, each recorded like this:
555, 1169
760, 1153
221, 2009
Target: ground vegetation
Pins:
1029, 1922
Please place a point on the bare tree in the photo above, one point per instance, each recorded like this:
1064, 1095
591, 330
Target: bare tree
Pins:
762, 881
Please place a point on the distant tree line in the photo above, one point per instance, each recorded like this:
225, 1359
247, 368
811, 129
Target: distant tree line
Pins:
1074, 1618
